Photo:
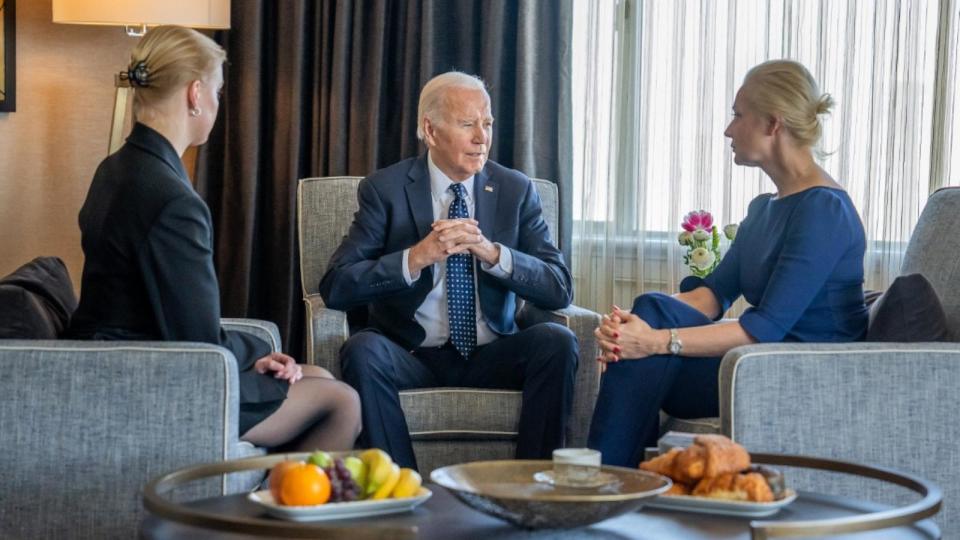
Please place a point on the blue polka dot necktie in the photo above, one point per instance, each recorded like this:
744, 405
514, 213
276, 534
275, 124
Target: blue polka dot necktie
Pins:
461, 308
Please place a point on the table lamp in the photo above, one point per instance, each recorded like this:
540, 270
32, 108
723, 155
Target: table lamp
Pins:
136, 16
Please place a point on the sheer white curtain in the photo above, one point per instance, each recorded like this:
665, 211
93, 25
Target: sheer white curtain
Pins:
654, 81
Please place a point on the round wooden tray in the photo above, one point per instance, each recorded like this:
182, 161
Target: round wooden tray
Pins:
154, 501
895, 517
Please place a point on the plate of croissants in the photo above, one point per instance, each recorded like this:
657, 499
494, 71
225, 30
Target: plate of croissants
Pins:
714, 475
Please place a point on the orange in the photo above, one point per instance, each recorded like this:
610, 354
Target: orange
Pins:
304, 485
276, 476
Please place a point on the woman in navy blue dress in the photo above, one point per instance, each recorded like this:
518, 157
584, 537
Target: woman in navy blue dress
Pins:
797, 259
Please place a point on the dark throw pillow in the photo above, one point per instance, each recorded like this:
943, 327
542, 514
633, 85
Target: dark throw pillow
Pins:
909, 311
871, 297
36, 300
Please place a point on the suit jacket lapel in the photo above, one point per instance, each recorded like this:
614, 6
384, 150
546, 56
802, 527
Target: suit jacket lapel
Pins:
419, 197
485, 195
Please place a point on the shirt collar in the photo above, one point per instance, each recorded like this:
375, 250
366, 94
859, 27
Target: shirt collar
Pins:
440, 183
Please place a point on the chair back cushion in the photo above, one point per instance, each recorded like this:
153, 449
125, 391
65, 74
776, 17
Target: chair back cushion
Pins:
325, 208
550, 202
36, 300
933, 250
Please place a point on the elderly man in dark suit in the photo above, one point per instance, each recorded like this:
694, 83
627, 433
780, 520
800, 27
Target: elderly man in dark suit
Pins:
438, 252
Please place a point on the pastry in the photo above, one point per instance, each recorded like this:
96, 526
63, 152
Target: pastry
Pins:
716, 467
751, 487
662, 464
722, 455
774, 479
678, 489
710, 455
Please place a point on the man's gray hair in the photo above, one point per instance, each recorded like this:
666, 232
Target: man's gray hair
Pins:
433, 94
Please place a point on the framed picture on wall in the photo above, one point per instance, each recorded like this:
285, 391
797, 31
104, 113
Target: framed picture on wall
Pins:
8, 55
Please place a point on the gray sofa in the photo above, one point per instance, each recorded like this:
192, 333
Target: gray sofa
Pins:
887, 404
86, 424
447, 425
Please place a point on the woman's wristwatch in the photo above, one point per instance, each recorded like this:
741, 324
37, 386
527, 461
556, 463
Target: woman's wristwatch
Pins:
675, 345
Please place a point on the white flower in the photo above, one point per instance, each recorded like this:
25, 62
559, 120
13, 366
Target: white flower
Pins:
701, 235
685, 239
702, 258
730, 231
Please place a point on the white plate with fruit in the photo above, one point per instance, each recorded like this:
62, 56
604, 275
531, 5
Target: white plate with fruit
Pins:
326, 488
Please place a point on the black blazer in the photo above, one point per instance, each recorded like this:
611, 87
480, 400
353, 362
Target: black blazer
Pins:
396, 212
148, 274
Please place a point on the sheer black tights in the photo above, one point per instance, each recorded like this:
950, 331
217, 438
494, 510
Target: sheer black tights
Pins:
319, 413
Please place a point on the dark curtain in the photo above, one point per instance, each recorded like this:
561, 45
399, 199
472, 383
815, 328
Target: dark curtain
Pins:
324, 88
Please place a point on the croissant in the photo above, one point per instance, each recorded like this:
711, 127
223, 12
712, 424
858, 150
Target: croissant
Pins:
678, 489
735, 486
709, 456
662, 464
714, 466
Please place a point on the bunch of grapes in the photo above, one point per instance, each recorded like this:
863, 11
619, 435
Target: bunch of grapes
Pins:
343, 488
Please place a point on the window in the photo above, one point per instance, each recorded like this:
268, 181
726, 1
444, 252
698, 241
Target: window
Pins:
654, 81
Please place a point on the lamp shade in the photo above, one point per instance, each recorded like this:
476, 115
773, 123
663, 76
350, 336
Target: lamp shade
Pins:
192, 13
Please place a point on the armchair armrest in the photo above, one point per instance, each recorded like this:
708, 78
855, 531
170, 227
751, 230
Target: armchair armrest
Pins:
885, 404
587, 383
99, 419
264, 330
327, 331
786, 382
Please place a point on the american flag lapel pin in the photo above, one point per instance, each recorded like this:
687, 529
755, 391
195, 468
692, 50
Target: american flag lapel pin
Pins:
488, 188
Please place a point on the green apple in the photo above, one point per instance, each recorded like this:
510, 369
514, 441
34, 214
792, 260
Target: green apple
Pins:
358, 471
320, 459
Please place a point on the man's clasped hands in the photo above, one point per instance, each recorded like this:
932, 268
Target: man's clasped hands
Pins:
449, 237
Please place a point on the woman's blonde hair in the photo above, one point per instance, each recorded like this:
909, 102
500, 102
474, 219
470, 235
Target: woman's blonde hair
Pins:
168, 57
786, 89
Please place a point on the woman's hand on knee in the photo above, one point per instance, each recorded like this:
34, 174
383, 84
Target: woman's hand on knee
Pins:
282, 366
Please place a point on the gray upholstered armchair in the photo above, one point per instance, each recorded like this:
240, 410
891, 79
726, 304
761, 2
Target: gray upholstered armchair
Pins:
887, 404
447, 425
86, 424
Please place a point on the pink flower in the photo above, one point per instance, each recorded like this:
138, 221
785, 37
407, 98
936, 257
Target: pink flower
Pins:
698, 219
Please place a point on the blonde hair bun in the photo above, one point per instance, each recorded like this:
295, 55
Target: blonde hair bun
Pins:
786, 89
167, 58
824, 104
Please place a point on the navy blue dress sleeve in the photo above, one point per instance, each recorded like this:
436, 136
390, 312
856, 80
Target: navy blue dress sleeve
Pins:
816, 237
724, 281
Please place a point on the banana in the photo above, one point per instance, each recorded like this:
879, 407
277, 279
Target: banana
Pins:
379, 467
386, 488
408, 484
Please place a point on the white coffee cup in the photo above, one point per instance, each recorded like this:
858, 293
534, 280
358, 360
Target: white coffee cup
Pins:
575, 466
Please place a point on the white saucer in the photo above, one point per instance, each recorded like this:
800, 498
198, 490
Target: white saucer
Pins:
600, 480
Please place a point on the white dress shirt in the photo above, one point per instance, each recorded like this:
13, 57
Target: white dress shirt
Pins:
432, 313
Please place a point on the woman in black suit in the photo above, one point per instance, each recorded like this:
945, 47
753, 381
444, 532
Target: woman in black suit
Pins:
148, 241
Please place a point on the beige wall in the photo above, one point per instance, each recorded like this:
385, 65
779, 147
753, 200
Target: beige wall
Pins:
51, 146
